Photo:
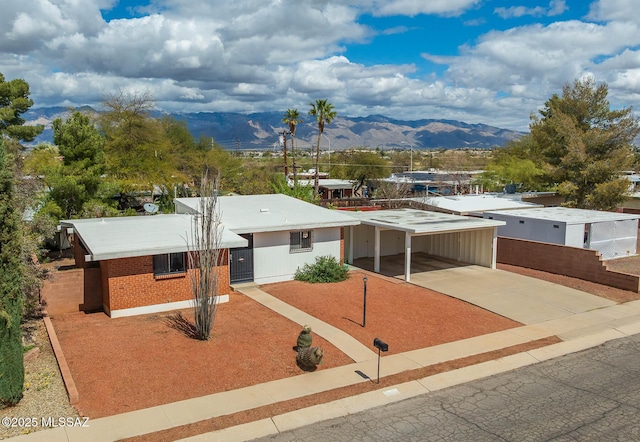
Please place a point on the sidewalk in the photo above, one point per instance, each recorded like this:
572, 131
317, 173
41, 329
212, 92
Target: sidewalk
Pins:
581, 330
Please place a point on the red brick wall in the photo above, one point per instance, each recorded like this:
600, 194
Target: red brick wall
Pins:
73, 290
563, 260
342, 244
129, 282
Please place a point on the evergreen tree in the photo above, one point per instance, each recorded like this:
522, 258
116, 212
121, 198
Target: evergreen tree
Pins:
586, 145
11, 300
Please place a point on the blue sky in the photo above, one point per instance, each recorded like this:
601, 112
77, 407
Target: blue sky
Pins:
477, 61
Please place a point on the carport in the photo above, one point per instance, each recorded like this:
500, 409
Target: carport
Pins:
393, 232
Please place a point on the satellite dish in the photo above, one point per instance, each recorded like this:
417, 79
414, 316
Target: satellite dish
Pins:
150, 208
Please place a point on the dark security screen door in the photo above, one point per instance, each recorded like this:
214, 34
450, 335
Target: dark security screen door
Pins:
241, 262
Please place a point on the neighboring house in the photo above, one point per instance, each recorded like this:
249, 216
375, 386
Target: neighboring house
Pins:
473, 204
330, 188
612, 234
407, 231
142, 260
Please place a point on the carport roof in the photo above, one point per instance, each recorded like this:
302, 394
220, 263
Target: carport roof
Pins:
422, 222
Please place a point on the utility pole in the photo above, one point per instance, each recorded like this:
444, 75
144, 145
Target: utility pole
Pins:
284, 143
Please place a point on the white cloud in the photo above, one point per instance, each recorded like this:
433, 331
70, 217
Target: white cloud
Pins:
556, 7
251, 55
416, 7
614, 10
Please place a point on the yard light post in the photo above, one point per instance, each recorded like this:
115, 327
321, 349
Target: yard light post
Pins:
364, 307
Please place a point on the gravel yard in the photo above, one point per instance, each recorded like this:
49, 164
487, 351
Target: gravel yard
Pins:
45, 396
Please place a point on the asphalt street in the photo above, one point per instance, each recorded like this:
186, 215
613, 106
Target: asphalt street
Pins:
593, 395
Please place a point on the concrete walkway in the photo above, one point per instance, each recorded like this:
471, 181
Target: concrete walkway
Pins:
579, 326
343, 341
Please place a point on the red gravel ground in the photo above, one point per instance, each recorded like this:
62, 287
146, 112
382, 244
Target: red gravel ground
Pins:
126, 364
405, 316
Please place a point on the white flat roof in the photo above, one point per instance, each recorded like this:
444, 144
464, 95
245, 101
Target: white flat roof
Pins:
271, 213
565, 215
330, 183
422, 221
463, 204
110, 238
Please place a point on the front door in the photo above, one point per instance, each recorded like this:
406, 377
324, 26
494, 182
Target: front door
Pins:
241, 262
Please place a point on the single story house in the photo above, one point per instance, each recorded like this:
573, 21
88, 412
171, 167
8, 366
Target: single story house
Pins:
612, 234
471, 204
330, 188
407, 231
143, 260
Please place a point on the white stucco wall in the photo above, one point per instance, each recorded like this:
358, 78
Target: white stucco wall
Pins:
272, 261
532, 229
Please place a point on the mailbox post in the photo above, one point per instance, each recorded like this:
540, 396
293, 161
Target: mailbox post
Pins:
381, 346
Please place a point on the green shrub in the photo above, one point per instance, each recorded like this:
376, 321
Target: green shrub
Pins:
325, 269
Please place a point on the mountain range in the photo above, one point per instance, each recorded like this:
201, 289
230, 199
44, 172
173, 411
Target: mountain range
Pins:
263, 130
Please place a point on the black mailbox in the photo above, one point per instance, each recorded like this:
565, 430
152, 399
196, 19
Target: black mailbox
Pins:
380, 345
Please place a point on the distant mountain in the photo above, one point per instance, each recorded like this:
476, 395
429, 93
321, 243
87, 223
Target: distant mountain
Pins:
263, 130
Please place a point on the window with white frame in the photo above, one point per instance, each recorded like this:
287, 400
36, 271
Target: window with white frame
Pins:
169, 263
301, 241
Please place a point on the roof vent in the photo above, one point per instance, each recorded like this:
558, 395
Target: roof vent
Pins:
264, 210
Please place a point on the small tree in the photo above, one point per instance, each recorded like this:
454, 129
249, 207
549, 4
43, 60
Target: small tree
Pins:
204, 258
11, 300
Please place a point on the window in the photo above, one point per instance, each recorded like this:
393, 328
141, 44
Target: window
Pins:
301, 241
169, 263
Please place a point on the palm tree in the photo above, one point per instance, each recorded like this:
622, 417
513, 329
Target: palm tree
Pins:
324, 113
292, 118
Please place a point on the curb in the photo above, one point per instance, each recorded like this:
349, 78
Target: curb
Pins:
366, 401
69, 384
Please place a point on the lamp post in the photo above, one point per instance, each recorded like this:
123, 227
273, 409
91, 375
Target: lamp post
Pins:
364, 307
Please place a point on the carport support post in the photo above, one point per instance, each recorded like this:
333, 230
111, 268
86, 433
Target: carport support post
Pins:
407, 256
351, 229
376, 251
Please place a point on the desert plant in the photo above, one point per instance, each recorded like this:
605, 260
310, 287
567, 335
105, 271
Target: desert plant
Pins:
204, 258
304, 338
325, 269
308, 358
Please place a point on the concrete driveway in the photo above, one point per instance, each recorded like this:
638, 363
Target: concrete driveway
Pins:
521, 298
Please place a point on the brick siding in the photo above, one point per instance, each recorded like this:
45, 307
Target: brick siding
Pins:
563, 260
130, 282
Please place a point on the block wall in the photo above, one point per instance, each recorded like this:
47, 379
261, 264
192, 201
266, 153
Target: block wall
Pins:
73, 290
563, 260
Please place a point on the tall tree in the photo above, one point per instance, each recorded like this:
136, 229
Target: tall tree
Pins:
292, 118
366, 165
15, 101
586, 145
11, 299
83, 163
324, 113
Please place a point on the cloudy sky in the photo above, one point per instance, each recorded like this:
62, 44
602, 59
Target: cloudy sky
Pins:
478, 61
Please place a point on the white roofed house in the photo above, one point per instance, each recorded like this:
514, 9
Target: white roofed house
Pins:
283, 234
142, 265
611, 234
